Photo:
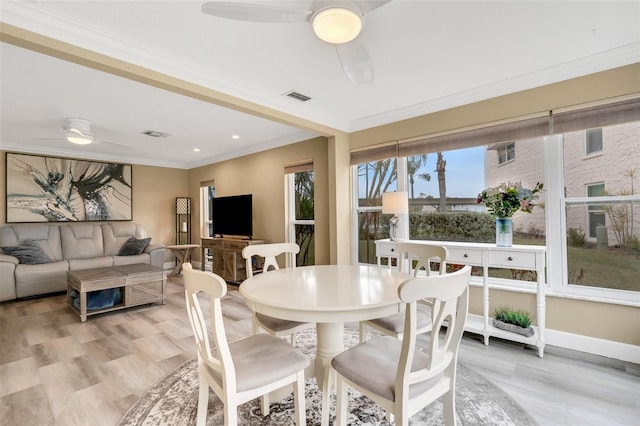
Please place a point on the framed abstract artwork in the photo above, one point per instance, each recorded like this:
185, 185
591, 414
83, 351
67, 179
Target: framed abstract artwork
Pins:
52, 189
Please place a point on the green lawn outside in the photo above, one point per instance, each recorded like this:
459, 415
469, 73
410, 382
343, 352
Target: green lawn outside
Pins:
612, 268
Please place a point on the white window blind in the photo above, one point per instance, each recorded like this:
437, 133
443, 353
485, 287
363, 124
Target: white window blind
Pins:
374, 153
299, 166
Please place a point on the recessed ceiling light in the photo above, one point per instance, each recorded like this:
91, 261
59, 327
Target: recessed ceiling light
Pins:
235, 137
196, 149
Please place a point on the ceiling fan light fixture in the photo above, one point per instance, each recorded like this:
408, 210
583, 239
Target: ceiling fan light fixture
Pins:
78, 131
336, 25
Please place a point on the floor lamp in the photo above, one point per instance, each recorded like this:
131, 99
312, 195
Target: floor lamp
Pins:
394, 203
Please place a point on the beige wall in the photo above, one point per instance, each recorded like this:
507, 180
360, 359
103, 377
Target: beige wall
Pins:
600, 320
154, 201
262, 175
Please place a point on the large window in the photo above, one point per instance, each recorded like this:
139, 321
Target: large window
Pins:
373, 178
301, 226
602, 213
207, 194
588, 216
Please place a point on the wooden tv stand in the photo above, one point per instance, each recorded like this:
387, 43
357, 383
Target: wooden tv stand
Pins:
226, 253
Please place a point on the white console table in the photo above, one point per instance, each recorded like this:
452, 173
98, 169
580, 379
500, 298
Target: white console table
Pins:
525, 257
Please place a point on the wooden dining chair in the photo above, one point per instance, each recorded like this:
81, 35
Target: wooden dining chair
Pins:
242, 370
414, 258
268, 252
402, 376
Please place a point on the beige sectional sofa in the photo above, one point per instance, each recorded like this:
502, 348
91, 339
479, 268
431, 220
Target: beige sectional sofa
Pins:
67, 246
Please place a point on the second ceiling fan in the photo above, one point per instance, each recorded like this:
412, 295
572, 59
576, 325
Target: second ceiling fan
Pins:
333, 21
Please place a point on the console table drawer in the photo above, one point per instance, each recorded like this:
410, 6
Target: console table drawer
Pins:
212, 243
385, 250
464, 256
235, 245
512, 260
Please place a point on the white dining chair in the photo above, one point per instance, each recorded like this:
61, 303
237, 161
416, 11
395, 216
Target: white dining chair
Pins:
414, 258
268, 252
402, 376
241, 370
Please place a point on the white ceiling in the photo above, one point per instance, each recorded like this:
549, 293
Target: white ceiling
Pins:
428, 56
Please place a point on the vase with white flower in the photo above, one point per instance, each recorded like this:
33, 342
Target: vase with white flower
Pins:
502, 202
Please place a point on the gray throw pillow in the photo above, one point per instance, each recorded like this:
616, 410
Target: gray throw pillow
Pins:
28, 253
134, 246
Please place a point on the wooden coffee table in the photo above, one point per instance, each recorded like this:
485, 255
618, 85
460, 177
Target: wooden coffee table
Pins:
140, 284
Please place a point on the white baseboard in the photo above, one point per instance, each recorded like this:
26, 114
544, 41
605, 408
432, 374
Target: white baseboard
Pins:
577, 342
593, 345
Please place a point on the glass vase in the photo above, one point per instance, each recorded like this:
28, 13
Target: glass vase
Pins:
504, 232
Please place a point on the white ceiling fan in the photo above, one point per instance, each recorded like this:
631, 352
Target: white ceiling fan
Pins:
337, 22
78, 131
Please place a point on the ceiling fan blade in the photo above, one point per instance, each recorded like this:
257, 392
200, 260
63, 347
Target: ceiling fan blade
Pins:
355, 60
255, 12
368, 5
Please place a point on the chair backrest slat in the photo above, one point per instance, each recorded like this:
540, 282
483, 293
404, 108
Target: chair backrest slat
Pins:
423, 254
269, 252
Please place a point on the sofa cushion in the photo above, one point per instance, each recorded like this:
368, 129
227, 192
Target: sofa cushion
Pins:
32, 280
134, 246
81, 241
117, 233
28, 253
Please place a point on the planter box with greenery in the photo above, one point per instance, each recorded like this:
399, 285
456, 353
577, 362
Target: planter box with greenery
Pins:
514, 321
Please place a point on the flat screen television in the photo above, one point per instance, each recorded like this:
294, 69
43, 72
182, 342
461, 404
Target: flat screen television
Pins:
233, 215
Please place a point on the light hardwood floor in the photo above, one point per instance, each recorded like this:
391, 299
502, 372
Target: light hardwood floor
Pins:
55, 370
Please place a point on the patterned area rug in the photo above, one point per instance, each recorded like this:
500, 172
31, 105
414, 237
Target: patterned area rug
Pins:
174, 400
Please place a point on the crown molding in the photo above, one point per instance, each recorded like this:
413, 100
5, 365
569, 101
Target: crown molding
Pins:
84, 155
270, 144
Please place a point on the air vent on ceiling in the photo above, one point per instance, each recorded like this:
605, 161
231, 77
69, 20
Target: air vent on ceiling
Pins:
155, 134
297, 96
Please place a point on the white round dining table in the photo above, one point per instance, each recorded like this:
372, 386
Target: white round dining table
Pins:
328, 295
